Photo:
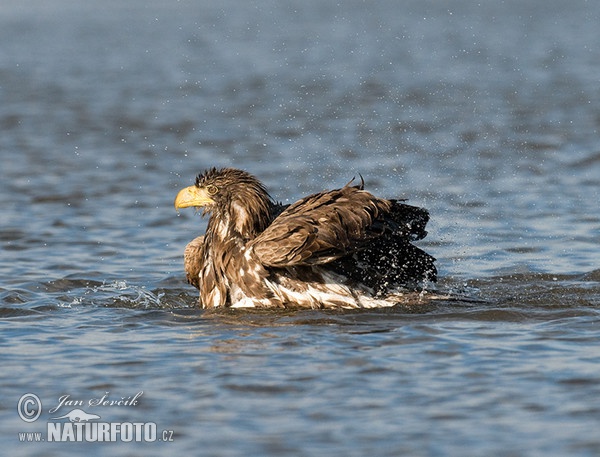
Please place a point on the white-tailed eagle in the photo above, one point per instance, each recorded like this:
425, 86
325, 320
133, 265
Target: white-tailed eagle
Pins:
343, 248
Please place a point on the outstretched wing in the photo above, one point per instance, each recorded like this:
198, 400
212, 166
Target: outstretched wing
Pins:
388, 262
321, 228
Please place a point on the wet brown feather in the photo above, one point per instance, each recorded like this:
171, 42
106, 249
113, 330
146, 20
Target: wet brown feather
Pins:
319, 228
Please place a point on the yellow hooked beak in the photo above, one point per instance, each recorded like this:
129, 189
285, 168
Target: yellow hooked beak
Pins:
192, 196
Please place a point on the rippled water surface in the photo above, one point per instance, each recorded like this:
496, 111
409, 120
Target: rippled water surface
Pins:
486, 113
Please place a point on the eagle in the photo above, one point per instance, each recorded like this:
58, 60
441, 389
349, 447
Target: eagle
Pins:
342, 248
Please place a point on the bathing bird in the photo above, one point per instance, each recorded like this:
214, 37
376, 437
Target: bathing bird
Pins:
341, 248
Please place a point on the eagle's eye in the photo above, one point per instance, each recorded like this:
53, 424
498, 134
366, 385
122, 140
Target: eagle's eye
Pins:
212, 190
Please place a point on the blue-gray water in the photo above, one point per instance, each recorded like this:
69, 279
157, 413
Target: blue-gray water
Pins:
486, 113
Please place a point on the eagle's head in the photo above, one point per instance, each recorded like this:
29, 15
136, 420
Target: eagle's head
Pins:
233, 197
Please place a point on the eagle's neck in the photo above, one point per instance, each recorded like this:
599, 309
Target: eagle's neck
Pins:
229, 228
246, 216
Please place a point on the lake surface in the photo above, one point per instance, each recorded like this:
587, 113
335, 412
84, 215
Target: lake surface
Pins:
486, 113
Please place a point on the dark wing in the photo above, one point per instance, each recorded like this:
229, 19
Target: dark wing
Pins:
408, 221
192, 260
388, 263
321, 228
390, 260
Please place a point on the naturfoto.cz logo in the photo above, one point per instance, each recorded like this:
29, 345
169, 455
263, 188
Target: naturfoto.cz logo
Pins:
79, 425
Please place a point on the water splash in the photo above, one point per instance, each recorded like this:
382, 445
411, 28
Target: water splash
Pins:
123, 294
138, 296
